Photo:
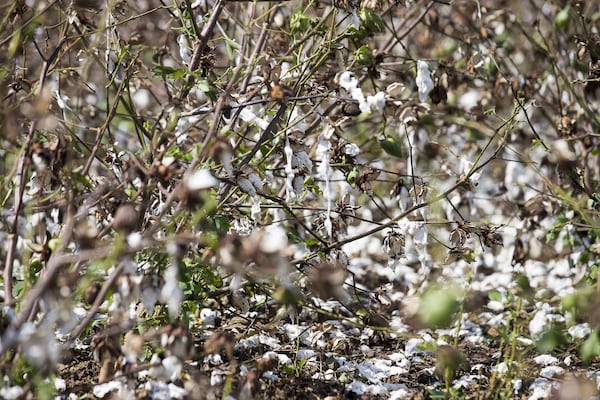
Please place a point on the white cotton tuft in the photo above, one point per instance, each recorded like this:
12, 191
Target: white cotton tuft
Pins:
324, 171
349, 82
184, 49
377, 102
255, 210
62, 101
247, 115
171, 293
289, 171
201, 179
424, 82
351, 150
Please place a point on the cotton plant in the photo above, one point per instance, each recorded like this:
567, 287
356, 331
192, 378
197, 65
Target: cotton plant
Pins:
201, 179
377, 102
394, 246
150, 289
420, 238
112, 48
348, 82
468, 171
413, 193
127, 291
63, 103
298, 119
287, 72
183, 126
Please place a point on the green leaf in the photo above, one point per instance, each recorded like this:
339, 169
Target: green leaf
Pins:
391, 146
207, 88
562, 19
170, 72
300, 22
438, 305
495, 296
310, 242
590, 349
343, 378
231, 46
551, 340
364, 56
352, 176
370, 20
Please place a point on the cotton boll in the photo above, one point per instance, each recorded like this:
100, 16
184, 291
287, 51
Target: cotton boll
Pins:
184, 49
289, 170
298, 183
201, 179
246, 186
247, 115
62, 101
256, 181
141, 99
377, 102
171, 293
469, 100
348, 81
302, 161
424, 82
274, 239
351, 150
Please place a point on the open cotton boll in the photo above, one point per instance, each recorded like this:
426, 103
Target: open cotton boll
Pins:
184, 49
201, 179
424, 82
274, 239
377, 102
351, 150
348, 81
289, 170
247, 115
171, 293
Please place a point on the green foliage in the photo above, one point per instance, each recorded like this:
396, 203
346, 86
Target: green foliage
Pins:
165, 71
391, 146
552, 339
439, 305
590, 349
563, 18
370, 21
364, 56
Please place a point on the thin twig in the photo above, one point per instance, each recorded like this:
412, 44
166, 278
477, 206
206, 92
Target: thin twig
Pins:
201, 46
